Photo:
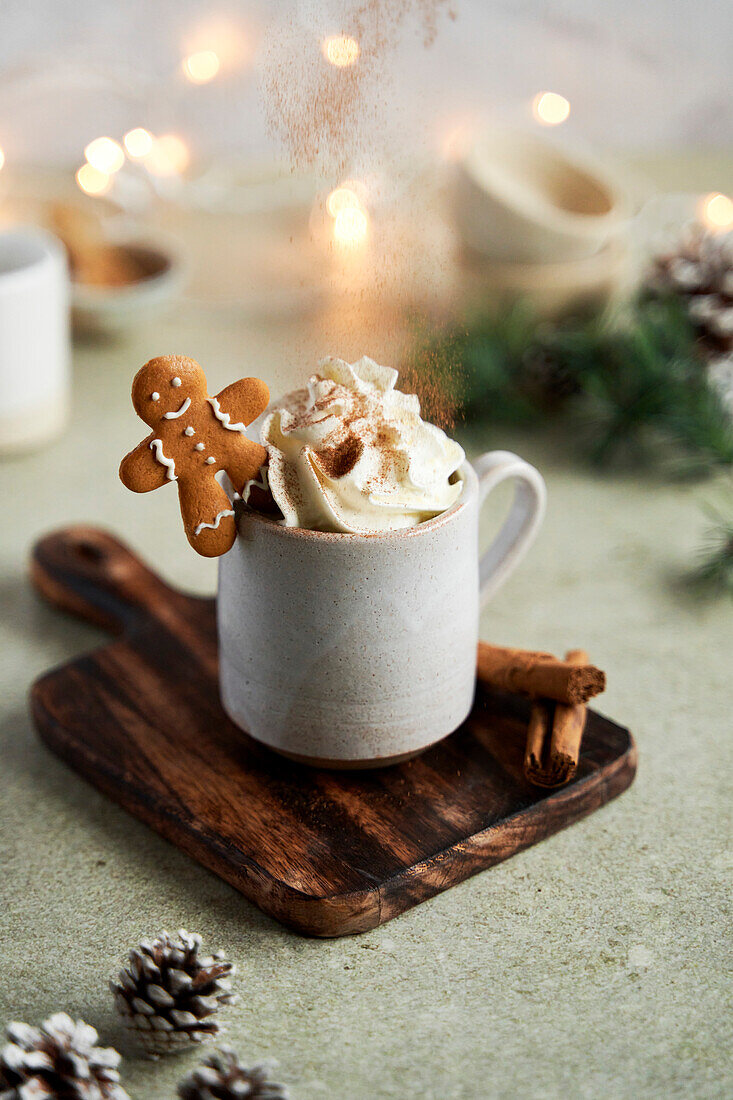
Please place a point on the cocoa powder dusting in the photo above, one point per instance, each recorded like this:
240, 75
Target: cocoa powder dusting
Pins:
338, 461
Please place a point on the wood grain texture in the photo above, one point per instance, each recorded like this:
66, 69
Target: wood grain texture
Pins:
326, 853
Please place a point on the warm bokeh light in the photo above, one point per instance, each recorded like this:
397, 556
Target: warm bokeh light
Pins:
2, 157
105, 155
342, 198
341, 50
550, 109
350, 226
138, 142
218, 43
455, 141
716, 211
201, 67
92, 181
169, 156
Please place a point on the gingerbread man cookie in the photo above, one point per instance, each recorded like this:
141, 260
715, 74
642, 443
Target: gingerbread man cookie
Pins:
193, 437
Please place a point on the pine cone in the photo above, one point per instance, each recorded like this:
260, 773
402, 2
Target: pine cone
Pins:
58, 1061
546, 378
169, 994
700, 271
223, 1077
720, 377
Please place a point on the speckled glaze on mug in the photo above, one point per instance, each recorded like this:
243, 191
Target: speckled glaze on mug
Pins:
360, 650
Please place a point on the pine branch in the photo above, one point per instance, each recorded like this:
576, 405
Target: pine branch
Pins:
632, 387
714, 573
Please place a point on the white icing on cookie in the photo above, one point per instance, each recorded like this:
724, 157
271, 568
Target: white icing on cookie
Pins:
199, 447
189, 431
157, 446
210, 460
259, 483
225, 417
155, 396
178, 412
175, 382
215, 524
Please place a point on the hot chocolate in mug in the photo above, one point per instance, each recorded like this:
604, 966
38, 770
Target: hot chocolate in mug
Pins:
346, 650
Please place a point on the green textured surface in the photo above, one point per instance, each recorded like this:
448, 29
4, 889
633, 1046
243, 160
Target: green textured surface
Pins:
592, 965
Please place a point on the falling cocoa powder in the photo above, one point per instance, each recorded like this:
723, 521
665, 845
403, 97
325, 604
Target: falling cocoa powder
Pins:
435, 377
319, 110
343, 122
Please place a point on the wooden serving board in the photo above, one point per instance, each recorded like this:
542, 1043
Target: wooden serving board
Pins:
327, 853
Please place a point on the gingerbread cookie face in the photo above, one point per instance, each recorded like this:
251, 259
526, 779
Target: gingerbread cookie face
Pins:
165, 388
193, 437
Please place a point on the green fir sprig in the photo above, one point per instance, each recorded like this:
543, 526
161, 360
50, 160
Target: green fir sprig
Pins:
714, 573
629, 388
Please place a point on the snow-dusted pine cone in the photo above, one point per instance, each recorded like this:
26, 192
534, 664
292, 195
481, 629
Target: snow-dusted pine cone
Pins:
169, 994
700, 270
223, 1077
720, 376
59, 1060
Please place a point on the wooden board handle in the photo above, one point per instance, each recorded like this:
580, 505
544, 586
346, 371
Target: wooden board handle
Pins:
89, 573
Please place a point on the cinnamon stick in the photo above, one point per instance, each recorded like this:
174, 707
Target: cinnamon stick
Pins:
539, 675
538, 738
554, 736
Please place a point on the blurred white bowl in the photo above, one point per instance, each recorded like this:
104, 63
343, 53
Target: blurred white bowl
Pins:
111, 310
518, 199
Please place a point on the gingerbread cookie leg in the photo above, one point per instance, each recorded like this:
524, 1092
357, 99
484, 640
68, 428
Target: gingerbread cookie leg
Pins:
208, 516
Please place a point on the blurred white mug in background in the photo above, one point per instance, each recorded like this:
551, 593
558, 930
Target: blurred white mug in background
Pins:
34, 338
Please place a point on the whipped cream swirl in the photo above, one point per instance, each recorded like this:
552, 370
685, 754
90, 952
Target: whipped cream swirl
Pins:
351, 453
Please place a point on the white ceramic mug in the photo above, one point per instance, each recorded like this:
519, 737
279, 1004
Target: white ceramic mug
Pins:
34, 338
360, 650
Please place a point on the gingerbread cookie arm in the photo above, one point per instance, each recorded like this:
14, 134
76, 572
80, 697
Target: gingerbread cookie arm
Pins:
208, 516
146, 467
244, 462
241, 403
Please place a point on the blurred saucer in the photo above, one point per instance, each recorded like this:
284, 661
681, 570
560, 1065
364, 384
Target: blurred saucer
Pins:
552, 288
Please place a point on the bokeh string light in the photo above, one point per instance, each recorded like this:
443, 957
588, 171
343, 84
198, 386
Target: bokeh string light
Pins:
341, 50
169, 156
201, 67
550, 108
165, 157
2, 157
350, 219
342, 198
350, 226
92, 181
138, 143
105, 154
716, 212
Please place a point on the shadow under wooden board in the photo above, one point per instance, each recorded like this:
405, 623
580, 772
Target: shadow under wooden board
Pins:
327, 853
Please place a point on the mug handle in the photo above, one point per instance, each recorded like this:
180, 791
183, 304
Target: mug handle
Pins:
521, 525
